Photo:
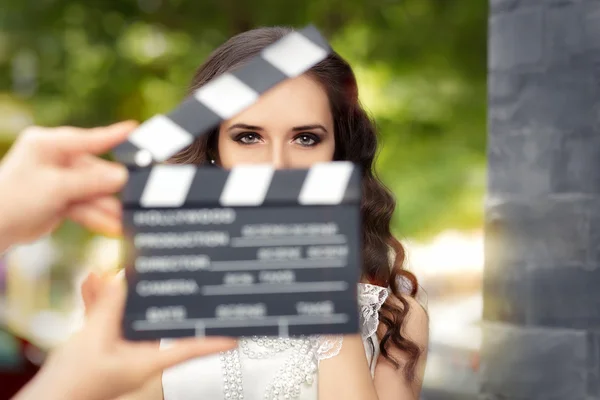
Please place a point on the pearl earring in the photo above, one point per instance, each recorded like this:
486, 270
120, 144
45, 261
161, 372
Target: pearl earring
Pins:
212, 161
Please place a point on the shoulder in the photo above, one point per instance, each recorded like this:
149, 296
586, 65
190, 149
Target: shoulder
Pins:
416, 323
390, 381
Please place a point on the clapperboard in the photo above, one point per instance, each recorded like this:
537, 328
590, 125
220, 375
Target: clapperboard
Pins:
240, 252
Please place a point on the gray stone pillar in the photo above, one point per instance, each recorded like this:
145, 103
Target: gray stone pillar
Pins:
542, 270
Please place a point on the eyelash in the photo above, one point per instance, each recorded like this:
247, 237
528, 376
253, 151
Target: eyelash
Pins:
239, 138
315, 138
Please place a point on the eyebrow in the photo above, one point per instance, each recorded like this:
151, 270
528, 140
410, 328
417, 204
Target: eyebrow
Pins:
245, 126
309, 127
295, 129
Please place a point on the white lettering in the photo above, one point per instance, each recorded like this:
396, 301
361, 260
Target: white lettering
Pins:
316, 229
171, 287
158, 314
171, 263
238, 279
184, 217
228, 311
315, 308
178, 240
327, 251
284, 276
279, 253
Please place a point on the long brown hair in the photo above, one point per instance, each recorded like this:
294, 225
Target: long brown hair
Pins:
356, 141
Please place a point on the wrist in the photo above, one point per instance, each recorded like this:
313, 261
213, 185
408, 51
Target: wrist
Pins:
55, 381
42, 387
6, 240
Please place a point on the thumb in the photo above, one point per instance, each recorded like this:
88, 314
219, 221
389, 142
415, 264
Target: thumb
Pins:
105, 316
94, 178
89, 290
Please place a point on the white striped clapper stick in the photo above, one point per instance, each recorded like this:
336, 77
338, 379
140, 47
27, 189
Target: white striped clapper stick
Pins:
172, 186
163, 136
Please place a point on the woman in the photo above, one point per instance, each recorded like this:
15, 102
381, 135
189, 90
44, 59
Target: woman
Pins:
313, 118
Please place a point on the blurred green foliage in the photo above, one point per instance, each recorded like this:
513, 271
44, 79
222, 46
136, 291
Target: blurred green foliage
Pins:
421, 66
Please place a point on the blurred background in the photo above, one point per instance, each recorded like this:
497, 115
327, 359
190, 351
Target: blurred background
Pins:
421, 68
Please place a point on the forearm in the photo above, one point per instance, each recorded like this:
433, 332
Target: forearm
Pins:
347, 375
5, 238
44, 386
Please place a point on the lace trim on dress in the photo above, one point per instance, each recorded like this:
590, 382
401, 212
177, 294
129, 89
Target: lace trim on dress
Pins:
326, 346
370, 300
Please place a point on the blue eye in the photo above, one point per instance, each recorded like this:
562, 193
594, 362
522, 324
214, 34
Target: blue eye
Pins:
247, 138
307, 139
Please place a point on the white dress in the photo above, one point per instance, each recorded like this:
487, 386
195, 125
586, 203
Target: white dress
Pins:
271, 368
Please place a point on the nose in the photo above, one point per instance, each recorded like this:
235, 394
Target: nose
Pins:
279, 157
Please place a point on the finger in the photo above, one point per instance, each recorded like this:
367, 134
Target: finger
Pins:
92, 141
89, 291
112, 274
106, 315
110, 205
96, 219
102, 215
183, 350
96, 178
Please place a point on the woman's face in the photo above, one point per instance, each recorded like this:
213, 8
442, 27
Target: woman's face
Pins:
290, 126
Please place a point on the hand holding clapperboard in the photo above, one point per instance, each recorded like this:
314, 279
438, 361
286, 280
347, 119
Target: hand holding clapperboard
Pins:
240, 252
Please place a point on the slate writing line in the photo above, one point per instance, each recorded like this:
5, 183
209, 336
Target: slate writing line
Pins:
304, 287
170, 264
202, 323
287, 241
187, 287
171, 240
249, 265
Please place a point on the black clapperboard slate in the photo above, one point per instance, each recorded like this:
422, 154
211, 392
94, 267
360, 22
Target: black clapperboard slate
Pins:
241, 252
279, 268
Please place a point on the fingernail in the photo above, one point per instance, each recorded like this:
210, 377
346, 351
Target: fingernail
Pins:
124, 124
112, 229
119, 174
111, 286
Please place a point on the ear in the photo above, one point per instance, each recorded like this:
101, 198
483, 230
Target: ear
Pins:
90, 289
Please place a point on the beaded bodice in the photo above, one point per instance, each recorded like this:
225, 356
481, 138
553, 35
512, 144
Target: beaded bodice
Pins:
270, 368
